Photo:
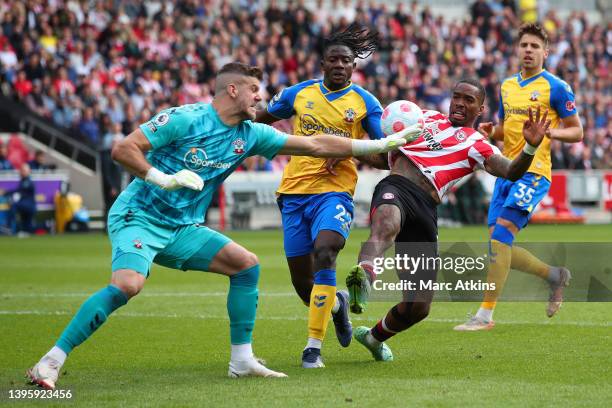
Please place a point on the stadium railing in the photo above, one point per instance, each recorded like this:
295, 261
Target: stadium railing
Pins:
18, 118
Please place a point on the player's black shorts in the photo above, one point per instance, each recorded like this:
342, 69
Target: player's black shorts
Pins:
418, 236
419, 210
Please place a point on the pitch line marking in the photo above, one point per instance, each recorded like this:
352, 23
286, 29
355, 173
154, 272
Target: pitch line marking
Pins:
288, 318
142, 294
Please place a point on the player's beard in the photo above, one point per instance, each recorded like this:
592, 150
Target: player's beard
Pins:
251, 112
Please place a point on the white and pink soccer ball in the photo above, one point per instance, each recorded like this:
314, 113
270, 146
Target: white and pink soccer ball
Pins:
399, 115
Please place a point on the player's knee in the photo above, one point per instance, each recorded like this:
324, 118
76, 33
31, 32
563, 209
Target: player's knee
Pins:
503, 233
129, 282
325, 255
248, 260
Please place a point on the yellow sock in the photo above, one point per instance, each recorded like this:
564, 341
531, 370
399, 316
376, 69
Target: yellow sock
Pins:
498, 272
322, 299
525, 261
333, 306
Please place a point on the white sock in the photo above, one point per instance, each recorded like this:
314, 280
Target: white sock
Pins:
336, 306
371, 340
241, 352
314, 343
57, 354
485, 314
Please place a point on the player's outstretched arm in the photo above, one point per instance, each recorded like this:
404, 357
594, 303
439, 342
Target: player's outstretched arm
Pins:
263, 116
130, 154
534, 129
334, 146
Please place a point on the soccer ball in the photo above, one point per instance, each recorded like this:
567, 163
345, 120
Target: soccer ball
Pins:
399, 115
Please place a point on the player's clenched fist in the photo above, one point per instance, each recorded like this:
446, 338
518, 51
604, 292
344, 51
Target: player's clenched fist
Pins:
172, 182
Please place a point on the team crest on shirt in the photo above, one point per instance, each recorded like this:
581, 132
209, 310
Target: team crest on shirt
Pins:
238, 146
460, 135
349, 115
309, 105
534, 96
570, 106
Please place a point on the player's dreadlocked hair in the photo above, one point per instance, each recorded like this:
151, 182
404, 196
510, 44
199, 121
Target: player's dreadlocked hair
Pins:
360, 40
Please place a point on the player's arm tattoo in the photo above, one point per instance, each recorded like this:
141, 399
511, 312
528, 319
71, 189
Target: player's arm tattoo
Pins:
405, 168
378, 161
386, 224
499, 166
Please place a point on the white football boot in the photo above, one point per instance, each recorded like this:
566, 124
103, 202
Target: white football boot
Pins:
251, 368
45, 373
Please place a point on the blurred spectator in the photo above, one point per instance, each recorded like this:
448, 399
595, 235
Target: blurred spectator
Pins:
583, 162
17, 153
5, 164
89, 126
76, 61
8, 59
472, 200
112, 173
24, 203
558, 155
39, 162
23, 86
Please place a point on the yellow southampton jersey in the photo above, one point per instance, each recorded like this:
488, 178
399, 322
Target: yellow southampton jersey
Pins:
349, 112
517, 94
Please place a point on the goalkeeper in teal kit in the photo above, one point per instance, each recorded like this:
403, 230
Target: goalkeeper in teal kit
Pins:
180, 157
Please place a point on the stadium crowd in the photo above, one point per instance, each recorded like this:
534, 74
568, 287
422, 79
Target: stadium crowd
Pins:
101, 68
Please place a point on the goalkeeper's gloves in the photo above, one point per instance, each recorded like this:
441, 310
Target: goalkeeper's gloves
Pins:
391, 142
172, 182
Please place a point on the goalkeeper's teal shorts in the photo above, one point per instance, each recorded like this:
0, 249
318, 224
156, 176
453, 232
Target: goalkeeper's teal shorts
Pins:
138, 241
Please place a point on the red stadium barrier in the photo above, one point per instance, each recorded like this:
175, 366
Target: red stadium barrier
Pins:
554, 208
608, 191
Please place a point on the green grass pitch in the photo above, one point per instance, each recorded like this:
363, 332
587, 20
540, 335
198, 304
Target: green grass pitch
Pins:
170, 345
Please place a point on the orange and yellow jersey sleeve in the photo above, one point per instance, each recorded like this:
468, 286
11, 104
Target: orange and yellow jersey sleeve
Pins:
517, 95
349, 112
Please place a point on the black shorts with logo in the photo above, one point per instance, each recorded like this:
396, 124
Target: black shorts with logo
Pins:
419, 210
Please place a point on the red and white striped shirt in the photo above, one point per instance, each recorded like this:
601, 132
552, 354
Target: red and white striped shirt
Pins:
445, 153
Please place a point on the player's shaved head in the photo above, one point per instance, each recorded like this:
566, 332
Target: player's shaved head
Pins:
235, 72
